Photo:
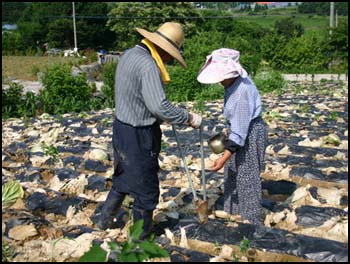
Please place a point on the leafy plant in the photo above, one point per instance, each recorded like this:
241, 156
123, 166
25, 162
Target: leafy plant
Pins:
271, 115
332, 139
11, 191
50, 151
7, 251
199, 106
108, 77
270, 81
163, 145
64, 92
95, 254
245, 244
11, 99
131, 250
83, 115
333, 116
304, 108
317, 117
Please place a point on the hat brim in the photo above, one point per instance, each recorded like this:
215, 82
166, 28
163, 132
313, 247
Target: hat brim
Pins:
210, 74
213, 73
163, 44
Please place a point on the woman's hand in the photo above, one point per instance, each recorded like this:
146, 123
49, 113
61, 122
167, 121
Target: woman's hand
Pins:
225, 132
220, 162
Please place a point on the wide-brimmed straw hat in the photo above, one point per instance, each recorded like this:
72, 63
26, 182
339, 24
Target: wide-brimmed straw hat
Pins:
220, 65
169, 37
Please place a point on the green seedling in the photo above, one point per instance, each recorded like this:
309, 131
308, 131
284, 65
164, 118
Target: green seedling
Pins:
50, 151
245, 244
11, 191
333, 116
132, 250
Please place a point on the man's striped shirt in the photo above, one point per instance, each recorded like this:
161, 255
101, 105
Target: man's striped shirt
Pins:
139, 93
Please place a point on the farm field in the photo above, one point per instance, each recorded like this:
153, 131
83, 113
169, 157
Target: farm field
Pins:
26, 67
305, 184
312, 24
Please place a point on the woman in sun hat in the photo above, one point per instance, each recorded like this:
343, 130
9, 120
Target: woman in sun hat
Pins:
246, 134
141, 105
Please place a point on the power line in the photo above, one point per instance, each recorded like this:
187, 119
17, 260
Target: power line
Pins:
174, 17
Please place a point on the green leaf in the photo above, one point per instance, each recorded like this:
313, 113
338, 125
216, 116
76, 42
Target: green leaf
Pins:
153, 249
95, 254
11, 191
112, 245
142, 256
245, 244
136, 229
131, 257
127, 247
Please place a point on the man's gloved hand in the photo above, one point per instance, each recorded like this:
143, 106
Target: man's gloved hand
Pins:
195, 120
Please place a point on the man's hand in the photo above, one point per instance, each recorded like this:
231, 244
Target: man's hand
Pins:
195, 120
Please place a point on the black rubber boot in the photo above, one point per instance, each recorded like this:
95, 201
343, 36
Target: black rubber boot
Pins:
147, 216
107, 218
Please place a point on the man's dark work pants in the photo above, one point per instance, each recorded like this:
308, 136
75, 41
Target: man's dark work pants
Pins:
136, 151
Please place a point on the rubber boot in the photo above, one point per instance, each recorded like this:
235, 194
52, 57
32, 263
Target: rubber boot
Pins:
110, 208
147, 216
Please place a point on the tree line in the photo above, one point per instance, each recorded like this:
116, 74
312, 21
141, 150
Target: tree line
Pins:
111, 26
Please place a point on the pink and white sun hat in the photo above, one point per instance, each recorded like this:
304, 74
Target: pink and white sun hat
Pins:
221, 64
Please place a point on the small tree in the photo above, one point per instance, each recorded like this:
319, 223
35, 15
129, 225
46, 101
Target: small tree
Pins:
149, 15
288, 28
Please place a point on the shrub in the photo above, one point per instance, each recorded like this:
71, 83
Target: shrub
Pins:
108, 77
15, 104
63, 92
90, 55
108, 74
11, 100
269, 81
29, 105
183, 85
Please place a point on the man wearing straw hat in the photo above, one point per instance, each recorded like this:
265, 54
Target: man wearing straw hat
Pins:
141, 105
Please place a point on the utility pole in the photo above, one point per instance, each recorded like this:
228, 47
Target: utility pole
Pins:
336, 18
75, 31
331, 18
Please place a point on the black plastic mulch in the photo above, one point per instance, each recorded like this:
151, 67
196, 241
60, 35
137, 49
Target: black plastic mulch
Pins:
271, 239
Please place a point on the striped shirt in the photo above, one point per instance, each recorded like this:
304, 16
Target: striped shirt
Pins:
139, 93
242, 104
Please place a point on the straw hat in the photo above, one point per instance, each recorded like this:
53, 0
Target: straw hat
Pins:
221, 64
169, 37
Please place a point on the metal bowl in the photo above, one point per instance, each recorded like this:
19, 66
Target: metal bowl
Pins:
217, 143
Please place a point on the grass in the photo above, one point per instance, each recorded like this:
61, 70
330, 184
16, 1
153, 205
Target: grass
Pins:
26, 67
313, 24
